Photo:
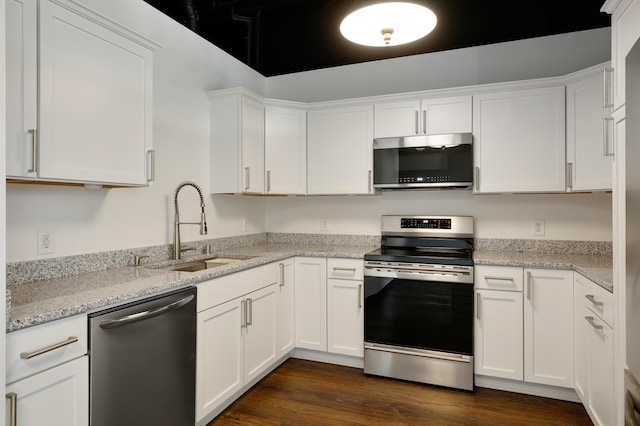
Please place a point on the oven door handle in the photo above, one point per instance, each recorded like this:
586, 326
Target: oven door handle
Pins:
427, 354
397, 273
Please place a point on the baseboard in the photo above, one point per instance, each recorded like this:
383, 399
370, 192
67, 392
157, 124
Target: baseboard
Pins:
328, 358
554, 392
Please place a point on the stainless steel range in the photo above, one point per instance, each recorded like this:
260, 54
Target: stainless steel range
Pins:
418, 309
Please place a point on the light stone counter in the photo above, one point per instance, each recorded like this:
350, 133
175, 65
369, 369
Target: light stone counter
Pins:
598, 268
46, 300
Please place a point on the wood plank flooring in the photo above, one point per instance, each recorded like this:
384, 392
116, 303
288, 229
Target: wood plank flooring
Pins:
310, 393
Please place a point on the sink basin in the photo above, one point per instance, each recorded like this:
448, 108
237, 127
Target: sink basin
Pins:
202, 264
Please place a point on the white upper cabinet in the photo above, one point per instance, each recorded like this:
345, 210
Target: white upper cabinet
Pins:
519, 140
340, 150
285, 150
83, 87
589, 164
425, 117
237, 142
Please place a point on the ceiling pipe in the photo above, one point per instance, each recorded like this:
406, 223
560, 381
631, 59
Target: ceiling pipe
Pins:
192, 14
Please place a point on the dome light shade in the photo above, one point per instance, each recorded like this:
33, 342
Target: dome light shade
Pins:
388, 24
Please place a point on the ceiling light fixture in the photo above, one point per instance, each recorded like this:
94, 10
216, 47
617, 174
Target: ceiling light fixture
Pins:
389, 23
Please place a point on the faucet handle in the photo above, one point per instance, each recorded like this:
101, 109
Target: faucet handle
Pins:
137, 258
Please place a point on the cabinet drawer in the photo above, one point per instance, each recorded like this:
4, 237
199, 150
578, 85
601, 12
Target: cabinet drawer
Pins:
507, 278
38, 348
345, 269
220, 290
600, 301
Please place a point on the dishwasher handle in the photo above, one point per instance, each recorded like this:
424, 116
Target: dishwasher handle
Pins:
141, 316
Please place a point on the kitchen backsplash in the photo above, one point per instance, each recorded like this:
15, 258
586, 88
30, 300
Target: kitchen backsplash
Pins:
36, 270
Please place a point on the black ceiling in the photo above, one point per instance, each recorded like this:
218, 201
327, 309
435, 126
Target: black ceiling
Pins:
278, 37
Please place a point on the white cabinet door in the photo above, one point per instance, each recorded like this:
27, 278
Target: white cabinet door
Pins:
519, 140
447, 115
286, 312
498, 348
588, 163
340, 150
394, 119
21, 87
311, 303
260, 331
285, 143
601, 389
581, 338
345, 314
252, 146
58, 396
219, 356
548, 327
95, 89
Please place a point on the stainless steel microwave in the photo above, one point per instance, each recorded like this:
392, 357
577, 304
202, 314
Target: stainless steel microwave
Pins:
430, 161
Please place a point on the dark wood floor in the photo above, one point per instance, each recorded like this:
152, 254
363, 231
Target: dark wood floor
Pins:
309, 393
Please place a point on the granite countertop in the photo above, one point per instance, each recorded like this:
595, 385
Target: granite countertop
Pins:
37, 302
598, 268
47, 300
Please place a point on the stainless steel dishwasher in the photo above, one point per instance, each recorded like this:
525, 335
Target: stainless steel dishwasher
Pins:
142, 362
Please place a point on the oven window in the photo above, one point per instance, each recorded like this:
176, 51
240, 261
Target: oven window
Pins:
419, 314
422, 164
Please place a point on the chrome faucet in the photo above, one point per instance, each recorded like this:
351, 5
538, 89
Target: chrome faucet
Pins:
177, 249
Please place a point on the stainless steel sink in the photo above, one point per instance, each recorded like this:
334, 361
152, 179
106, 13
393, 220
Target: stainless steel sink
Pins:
202, 264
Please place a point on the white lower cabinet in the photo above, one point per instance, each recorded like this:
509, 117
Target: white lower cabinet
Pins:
48, 374
329, 305
548, 327
524, 324
237, 328
594, 380
286, 340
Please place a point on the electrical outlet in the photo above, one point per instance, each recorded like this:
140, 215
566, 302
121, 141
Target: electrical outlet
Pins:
538, 227
46, 242
324, 224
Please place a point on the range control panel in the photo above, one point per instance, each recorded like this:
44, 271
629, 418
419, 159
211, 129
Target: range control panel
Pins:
424, 223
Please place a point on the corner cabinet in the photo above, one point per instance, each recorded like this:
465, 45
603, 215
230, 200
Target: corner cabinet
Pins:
311, 303
589, 144
340, 151
519, 140
81, 89
237, 142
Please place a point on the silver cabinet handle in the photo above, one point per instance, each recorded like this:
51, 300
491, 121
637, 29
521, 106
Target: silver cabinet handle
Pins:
268, 180
606, 139
359, 295
337, 268
29, 355
370, 184
34, 150
499, 278
478, 303
528, 285
569, 176
424, 122
594, 324
13, 408
243, 314
281, 265
417, 124
151, 173
247, 178
249, 312
608, 83
144, 315
477, 178
591, 298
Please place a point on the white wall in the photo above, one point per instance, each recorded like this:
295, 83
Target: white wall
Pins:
2, 205
86, 221
567, 216
518, 60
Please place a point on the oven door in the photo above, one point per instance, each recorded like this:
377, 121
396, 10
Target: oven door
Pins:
411, 313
